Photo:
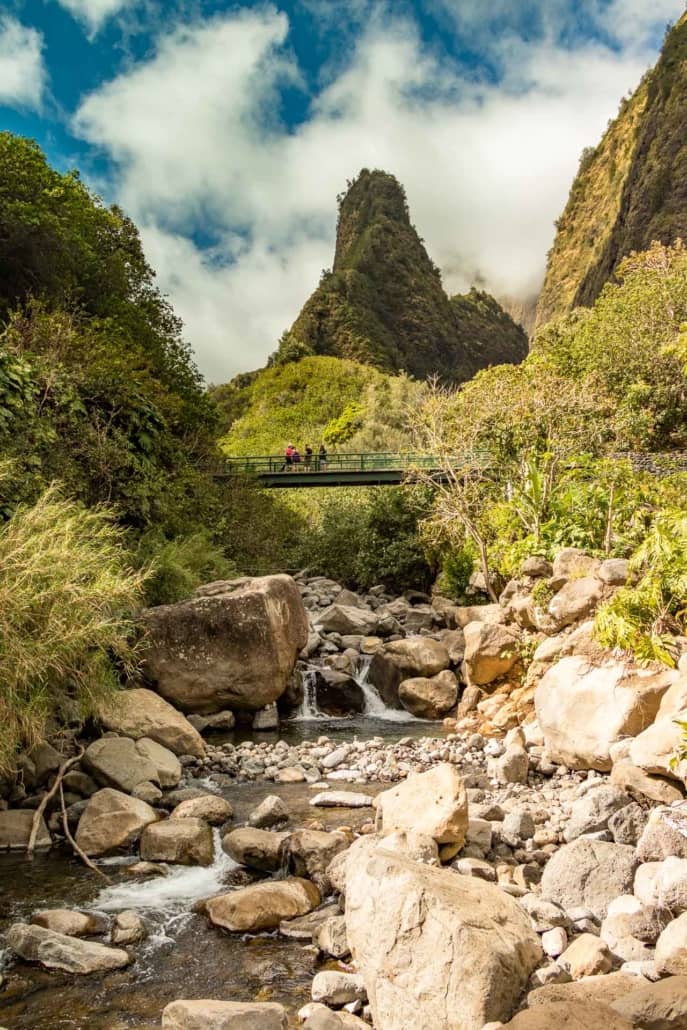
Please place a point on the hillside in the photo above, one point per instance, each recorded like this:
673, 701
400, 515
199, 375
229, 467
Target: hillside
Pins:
629, 191
383, 302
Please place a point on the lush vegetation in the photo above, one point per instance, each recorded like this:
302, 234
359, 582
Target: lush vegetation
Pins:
383, 302
629, 191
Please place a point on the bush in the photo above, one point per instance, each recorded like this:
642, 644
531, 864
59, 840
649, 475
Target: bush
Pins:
67, 596
177, 567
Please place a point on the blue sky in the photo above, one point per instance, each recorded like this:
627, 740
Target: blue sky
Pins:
227, 129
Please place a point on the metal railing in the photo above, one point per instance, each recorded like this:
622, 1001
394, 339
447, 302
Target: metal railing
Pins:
272, 464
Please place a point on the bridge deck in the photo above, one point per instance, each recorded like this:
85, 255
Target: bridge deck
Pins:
339, 470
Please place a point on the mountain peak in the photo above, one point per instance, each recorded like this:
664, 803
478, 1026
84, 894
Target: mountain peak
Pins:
372, 198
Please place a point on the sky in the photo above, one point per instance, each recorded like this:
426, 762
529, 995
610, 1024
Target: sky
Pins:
226, 131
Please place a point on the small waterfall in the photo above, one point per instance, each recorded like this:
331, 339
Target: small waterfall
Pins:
308, 709
374, 705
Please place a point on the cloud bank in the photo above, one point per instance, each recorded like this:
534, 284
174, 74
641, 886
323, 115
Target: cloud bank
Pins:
94, 13
22, 72
237, 209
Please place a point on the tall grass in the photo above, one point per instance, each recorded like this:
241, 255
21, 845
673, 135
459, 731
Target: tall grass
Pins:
67, 596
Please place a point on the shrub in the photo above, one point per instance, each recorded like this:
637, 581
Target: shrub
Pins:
67, 595
178, 566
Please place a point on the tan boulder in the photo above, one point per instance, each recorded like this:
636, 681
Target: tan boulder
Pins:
212, 808
112, 821
429, 698
15, 830
224, 1015
638, 783
143, 713
589, 874
263, 906
578, 1015
435, 949
180, 841
586, 956
308, 853
665, 834
405, 659
671, 947
604, 989
492, 613
574, 601
117, 762
233, 649
347, 619
572, 563
583, 709
433, 803
656, 1006
71, 923
491, 651
165, 761
58, 951
257, 849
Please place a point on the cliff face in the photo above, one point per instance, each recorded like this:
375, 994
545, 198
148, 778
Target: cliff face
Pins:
383, 303
629, 191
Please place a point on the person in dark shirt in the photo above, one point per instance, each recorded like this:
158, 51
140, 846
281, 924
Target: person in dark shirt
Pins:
322, 458
308, 458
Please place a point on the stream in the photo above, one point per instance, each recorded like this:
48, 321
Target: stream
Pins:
183, 956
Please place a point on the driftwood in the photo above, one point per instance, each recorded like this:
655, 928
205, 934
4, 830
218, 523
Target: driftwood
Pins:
64, 768
77, 850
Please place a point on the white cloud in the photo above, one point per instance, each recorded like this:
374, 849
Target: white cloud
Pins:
22, 72
94, 13
201, 155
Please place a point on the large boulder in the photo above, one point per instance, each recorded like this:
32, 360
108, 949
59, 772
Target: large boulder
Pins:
347, 619
233, 650
491, 651
308, 853
263, 906
655, 1006
338, 693
182, 841
165, 761
59, 951
224, 1015
15, 830
575, 601
70, 922
429, 698
404, 659
257, 849
589, 874
433, 803
210, 807
583, 709
112, 821
435, 949
117, 762
143, 713
577, 1015
655, 749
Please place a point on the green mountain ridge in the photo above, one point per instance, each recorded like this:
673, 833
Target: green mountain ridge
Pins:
383, 302
629, 191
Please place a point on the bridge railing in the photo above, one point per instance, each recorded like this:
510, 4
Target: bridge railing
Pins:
272, 464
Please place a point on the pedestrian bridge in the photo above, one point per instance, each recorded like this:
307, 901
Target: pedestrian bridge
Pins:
339, 470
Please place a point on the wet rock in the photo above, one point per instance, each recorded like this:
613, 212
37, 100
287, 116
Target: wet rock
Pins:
128, 929
433, 803
341, 799
266, 718
71, 923
112, 821
180, 841
404, 659
213, 809
15, 830
220, 722
458, 943
330, 937
263, 906
334, 988
143, 713
234, 649
337, 693
224, 1015
589, 873
58, 951
304, 928
257, 849
270, 812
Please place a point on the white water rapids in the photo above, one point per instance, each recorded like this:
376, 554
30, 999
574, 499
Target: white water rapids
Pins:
374, 705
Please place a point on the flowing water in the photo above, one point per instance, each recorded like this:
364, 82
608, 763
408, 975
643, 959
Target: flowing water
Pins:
183, 956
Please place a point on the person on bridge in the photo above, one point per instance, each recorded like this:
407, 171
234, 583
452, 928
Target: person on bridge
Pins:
296, 459
322, 459
288, 458
308, 457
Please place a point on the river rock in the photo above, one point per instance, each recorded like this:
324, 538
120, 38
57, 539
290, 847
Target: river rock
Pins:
117, 762
231, 650
491, 651
578, 1015
592, 812
270, 812
304, 928
341, 799
143, 713
15, 830
224, 1015
263, 906
330, 937
165, 761
257, 849
337, 693
665, 834
429, 698
308, 853
335, 988
403, 659
58, 951
583, 709
656, 1006
590, 874
346, 619
112, 821
671, 947
71, 923
640, 784
212, 808
586, 956
433, 803
435, 949
574, 601
128, 928
180, 841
